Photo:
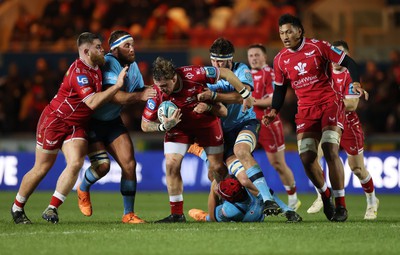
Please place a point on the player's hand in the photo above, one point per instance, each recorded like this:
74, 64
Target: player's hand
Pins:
269, 118
121, 77
173, 120
205, 95
148, 92
202, 107
360, 91
248, 103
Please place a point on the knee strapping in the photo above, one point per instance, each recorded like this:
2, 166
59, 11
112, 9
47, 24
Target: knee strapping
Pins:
235, 167
247, 139
330, 136
97, 158
307, 144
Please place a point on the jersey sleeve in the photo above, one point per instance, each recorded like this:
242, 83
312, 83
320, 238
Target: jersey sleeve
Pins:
150, 110
278, 72
331, 52
110, 71
135, 78
244, 75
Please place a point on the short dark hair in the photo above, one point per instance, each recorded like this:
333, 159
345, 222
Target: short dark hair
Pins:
258, 46
163, 69
293, 20
341, 43
115, 35
222, 46
86, 37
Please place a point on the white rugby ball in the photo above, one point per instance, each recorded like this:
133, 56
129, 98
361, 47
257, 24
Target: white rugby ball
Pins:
166, 108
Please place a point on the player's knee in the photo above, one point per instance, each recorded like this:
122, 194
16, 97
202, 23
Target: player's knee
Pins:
245, 143
100, 162
307, 145
357, 171
331, 137
102, 169
76, 165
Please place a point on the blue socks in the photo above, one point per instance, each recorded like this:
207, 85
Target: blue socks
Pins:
256, 176
88, 180
128, 191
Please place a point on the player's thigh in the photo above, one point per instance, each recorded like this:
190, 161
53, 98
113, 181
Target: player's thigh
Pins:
75, 151
122, 150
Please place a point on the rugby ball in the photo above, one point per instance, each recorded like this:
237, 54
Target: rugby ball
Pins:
166, 108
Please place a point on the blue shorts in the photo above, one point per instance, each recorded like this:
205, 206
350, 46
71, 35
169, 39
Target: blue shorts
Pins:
252, 125
105, 131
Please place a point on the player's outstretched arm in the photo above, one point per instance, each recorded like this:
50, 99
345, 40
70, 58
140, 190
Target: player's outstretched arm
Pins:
122, 97
100, 98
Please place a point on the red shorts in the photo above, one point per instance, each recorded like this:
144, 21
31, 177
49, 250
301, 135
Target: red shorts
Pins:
315, 118
352, 140
205, 137
271, 137
53, 131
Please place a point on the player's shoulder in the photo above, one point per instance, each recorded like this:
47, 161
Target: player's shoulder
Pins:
312, 42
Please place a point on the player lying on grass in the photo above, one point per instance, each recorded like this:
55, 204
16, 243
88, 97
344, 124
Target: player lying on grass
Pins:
230, 201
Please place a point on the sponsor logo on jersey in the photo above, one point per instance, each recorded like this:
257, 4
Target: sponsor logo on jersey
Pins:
286, 62
257, 77
190, 99
82, 80
218, 138
151, 104
85, 90
301, 68
339, 80
186, 69
336, 50
332, 119
189, 76
210, 71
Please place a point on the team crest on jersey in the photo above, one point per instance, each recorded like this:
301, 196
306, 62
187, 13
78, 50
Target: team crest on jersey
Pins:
189, 76
336, 50
210, 71
301, 68
248, 76
151, 104
82, 80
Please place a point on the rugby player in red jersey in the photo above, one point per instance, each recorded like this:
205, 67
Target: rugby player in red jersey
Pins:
63, 124
187, 126
304, 64
270, 138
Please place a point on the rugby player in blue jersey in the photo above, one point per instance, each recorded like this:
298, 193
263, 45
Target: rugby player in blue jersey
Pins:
108, 134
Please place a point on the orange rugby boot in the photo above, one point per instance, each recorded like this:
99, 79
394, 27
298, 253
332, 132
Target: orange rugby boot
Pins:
131, 218
84, 202
198, 215
195, 149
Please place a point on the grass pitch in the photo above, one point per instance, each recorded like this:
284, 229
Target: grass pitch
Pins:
103, 232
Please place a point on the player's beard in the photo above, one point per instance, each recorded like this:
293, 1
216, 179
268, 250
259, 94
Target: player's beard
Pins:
97, 59
126, 59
